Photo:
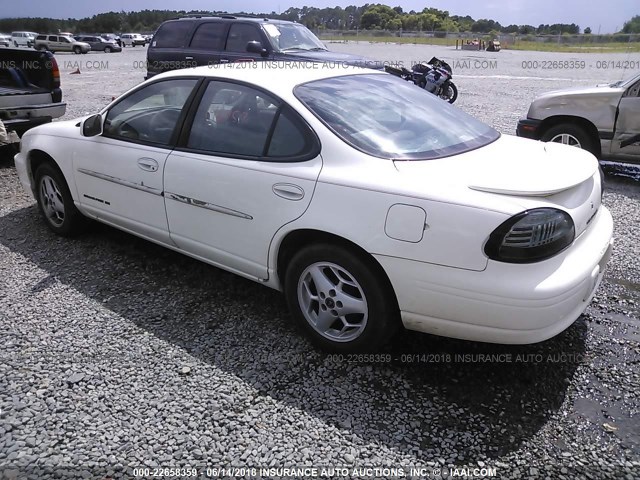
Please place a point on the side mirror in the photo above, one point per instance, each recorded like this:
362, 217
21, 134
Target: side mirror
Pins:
256, 47
92, 126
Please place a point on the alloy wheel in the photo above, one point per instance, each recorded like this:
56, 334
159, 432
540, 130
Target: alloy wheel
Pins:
566, 139
52, 201
333, 302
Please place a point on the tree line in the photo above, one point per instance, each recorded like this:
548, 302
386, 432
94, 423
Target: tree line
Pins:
366, 17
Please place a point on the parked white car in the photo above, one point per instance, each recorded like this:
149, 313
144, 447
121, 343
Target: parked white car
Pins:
5, 40
23, 39
334, 185
132, 39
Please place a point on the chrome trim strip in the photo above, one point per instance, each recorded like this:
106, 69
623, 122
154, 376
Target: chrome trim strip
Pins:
207, 205
120, 181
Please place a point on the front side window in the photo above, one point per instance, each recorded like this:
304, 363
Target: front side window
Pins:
240, 34
53, 38
151, 114
387, 117
235, 120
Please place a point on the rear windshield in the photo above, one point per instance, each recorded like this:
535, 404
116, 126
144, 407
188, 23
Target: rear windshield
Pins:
387, 117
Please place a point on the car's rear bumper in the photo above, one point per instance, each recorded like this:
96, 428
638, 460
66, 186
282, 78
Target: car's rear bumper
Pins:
505, 303
529, 128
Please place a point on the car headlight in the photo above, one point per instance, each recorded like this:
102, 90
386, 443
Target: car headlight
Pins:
531, 236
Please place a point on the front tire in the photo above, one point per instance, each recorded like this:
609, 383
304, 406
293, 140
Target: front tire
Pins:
107, 50
569, 134
339, 297
77, 50
56, 203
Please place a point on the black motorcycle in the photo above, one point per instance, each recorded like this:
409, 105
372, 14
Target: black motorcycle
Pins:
434, 76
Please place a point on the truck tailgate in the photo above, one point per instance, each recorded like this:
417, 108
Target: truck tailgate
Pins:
15, 96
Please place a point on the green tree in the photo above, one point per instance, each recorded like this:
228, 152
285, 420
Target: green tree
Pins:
632, 26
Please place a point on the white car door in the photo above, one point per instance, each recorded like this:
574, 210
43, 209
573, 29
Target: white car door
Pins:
247, 166
118, 174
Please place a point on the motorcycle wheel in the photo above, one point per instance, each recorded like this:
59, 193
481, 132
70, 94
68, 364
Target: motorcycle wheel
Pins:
450, 94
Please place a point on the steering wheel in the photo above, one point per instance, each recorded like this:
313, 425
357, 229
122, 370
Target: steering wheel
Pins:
128, 131
163, 123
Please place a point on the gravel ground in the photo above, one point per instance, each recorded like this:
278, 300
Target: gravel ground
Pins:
119, 354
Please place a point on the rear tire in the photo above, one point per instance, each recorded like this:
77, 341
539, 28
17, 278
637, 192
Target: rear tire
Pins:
56, 203
339, 297
452, 93
570, 134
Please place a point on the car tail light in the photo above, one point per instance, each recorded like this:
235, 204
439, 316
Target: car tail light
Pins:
531, 236
56, 72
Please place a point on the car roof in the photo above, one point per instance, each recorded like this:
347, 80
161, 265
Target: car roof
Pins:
279, 77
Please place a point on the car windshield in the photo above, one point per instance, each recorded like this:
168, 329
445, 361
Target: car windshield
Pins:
387, 117
292, 36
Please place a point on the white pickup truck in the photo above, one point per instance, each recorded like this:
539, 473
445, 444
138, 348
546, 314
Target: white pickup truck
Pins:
604, 119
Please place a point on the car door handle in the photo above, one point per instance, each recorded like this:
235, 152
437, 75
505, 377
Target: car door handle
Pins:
288, 191
148, 164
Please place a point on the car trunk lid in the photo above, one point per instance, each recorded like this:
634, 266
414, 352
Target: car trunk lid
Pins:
512, 166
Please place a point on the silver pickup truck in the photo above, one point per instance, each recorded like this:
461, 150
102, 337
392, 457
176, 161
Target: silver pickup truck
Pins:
604, 119
30, 94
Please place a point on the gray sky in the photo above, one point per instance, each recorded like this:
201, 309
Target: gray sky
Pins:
608, 15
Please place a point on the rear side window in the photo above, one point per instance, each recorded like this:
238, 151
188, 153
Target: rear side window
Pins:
172, 34
240, 34
42, 37
209, 36
235, 120
290, 137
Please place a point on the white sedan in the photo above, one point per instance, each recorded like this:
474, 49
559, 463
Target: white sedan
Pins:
371, 203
